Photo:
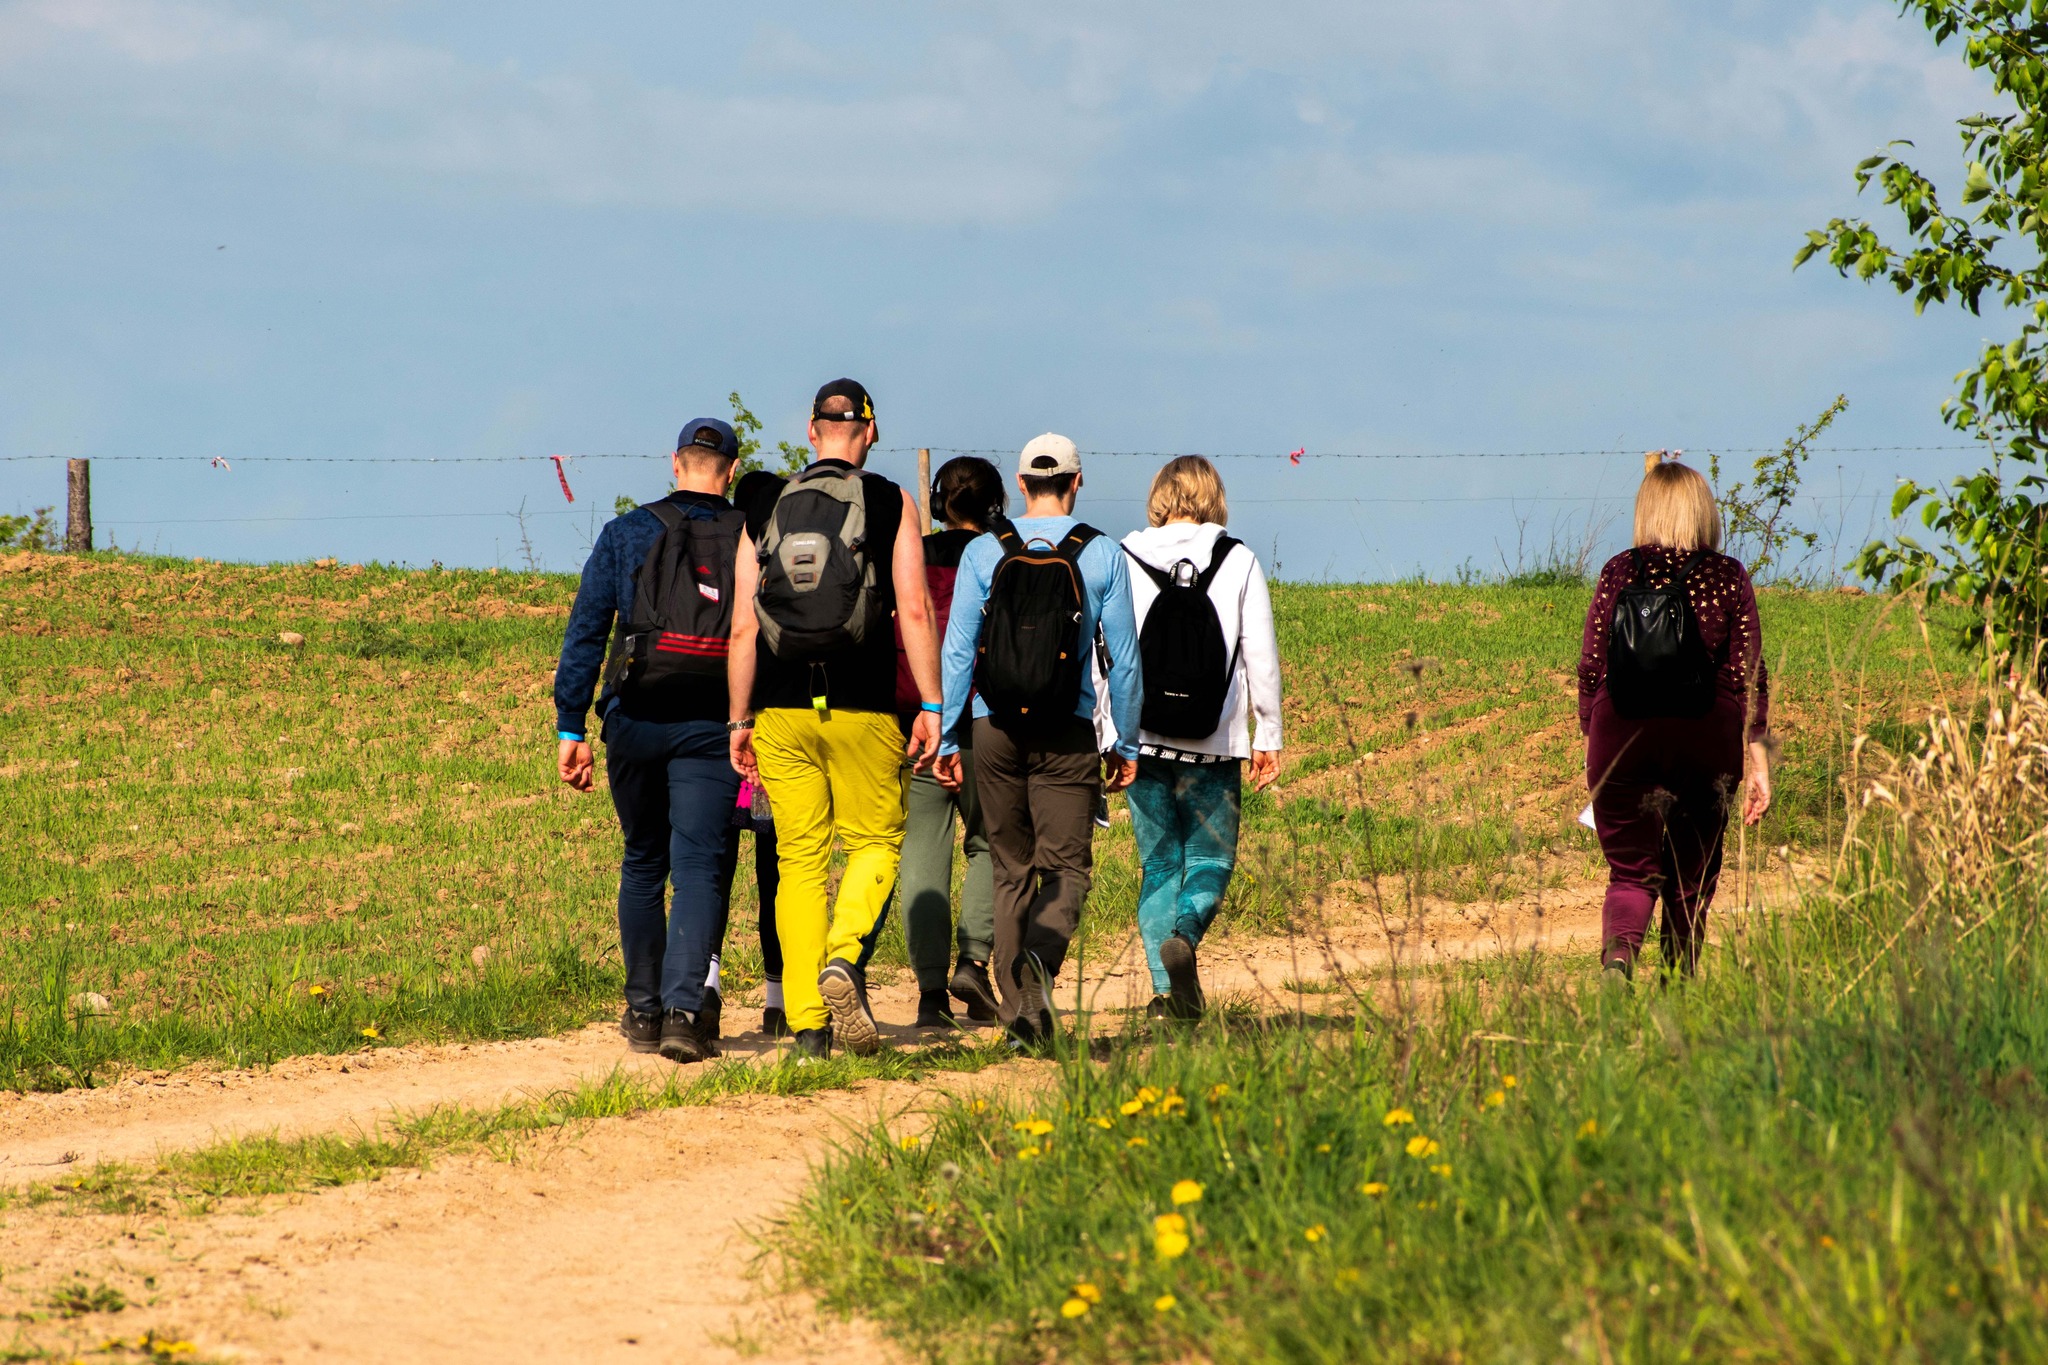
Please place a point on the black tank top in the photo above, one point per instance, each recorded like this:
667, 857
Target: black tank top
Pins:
859, 679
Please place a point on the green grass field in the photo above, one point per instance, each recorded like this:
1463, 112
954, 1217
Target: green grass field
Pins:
252, 849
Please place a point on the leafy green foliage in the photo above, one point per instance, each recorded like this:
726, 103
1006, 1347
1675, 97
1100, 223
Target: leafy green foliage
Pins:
36, 531
1991, 552
794, 457
1756, 530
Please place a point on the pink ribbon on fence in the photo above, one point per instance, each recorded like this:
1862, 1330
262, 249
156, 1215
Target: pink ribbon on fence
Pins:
1294, 456
563, 476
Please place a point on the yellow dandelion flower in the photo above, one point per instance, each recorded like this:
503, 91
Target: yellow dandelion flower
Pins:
1396, 1117
1186, 1192
1420, 1146
1105, 1124
1827, 1242
1323, 1148
1169, 1222
1074, 1308
1508, 1080
1443, 1170
977, 1106
909, 1142
371, 1031
1164, 1303
1027, 1153
1373, 1189
1130, 1107
1168, 1245
316, 990
1147, 1095
1496, 1098
1171, 1105
1590, 1128
1085, 1290
1216, 1092
1033, 1127
1315, 1232
1137, 1142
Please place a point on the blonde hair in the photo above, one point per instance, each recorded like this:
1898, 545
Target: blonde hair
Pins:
1675, 507
1188, 488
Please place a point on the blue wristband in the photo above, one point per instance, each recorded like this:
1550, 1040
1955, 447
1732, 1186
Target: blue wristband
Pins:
935, 708
564, 734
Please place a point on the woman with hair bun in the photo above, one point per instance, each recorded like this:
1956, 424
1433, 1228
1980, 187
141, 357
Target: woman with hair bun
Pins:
1673, 695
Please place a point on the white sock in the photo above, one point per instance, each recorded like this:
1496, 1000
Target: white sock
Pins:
711, 981
774, 995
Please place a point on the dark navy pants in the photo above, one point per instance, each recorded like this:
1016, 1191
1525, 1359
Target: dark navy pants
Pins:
674, 789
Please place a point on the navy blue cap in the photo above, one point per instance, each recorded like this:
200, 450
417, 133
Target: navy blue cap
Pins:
711, 434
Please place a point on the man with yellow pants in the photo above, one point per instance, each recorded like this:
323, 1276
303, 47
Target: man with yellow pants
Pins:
812, 681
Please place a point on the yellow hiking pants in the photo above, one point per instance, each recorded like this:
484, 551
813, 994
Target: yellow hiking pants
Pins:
840, 773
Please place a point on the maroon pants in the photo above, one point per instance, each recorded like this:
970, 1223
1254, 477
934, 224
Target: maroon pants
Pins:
1661, 794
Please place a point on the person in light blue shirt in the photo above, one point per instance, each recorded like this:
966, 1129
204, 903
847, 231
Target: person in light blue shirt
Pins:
1038, 782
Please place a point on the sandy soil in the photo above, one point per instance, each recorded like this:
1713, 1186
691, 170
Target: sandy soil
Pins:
628, 1239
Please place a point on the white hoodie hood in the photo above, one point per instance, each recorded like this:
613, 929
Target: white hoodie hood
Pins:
1244, 608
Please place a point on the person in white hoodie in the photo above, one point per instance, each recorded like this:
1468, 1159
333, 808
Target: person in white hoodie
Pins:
1212, 704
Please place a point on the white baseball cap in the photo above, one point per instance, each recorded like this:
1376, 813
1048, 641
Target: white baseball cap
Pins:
1048, 455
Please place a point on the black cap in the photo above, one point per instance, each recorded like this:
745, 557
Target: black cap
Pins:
711, 434
854, 392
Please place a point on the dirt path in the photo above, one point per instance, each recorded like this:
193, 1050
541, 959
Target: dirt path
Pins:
628, 1239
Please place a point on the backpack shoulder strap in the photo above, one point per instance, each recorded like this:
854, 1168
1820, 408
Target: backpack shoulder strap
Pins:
667, 513
1635, 561
1160, 577
1077, 538
1685, 570
1224, 545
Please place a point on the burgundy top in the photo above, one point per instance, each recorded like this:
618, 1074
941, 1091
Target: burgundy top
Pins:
1723, 601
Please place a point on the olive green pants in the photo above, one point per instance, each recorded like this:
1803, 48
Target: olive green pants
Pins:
925, 880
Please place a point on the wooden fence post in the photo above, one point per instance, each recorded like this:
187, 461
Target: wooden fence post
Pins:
924, 488
78, 512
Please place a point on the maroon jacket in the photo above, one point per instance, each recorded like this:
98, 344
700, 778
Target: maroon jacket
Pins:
942, 550
1724, 602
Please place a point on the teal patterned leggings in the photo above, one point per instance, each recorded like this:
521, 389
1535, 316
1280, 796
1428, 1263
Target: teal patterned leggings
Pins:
1185, 818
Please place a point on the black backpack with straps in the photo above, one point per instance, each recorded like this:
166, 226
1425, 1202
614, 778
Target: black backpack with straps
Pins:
1657, 664
1031, 658
1187, 662
672, 645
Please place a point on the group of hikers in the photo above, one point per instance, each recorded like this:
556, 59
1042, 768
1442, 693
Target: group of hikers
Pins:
804, 658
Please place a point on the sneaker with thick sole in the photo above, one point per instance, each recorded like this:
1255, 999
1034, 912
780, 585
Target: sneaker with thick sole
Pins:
679, 1040
1021, 1038
1034, 997
711, 1018
1159, 1008
845, 989
971, 987
811, 1044
775, 1022
1184, 982
935, 1010
642, 1032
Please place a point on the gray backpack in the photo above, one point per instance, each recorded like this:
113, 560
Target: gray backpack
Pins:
817, 592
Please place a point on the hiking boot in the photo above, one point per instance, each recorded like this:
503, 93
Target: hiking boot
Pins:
642, 1032
811, 1044
1184, 998
1102, 810
1034, 996
1617, 975
845, 989
1159, 1009
1023, 1039
775, 1022
710, 1017
935, 1010
971, 987
679, 1040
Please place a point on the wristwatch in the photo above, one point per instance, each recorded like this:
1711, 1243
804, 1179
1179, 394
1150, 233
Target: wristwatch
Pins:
733, 727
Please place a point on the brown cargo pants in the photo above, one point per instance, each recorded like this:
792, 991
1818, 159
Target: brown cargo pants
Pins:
1038, 810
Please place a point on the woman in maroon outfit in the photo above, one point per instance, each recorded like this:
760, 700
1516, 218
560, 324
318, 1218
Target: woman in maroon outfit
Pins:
1662, 788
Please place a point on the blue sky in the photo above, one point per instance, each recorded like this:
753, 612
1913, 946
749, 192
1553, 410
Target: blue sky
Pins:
408, 230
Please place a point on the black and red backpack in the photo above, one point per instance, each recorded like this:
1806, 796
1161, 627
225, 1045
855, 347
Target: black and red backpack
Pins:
673, 643
1029, 663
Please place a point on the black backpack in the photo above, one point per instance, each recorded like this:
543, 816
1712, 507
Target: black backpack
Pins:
1031, 658
673, 642
1187, 665
1657, 664
818, 592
